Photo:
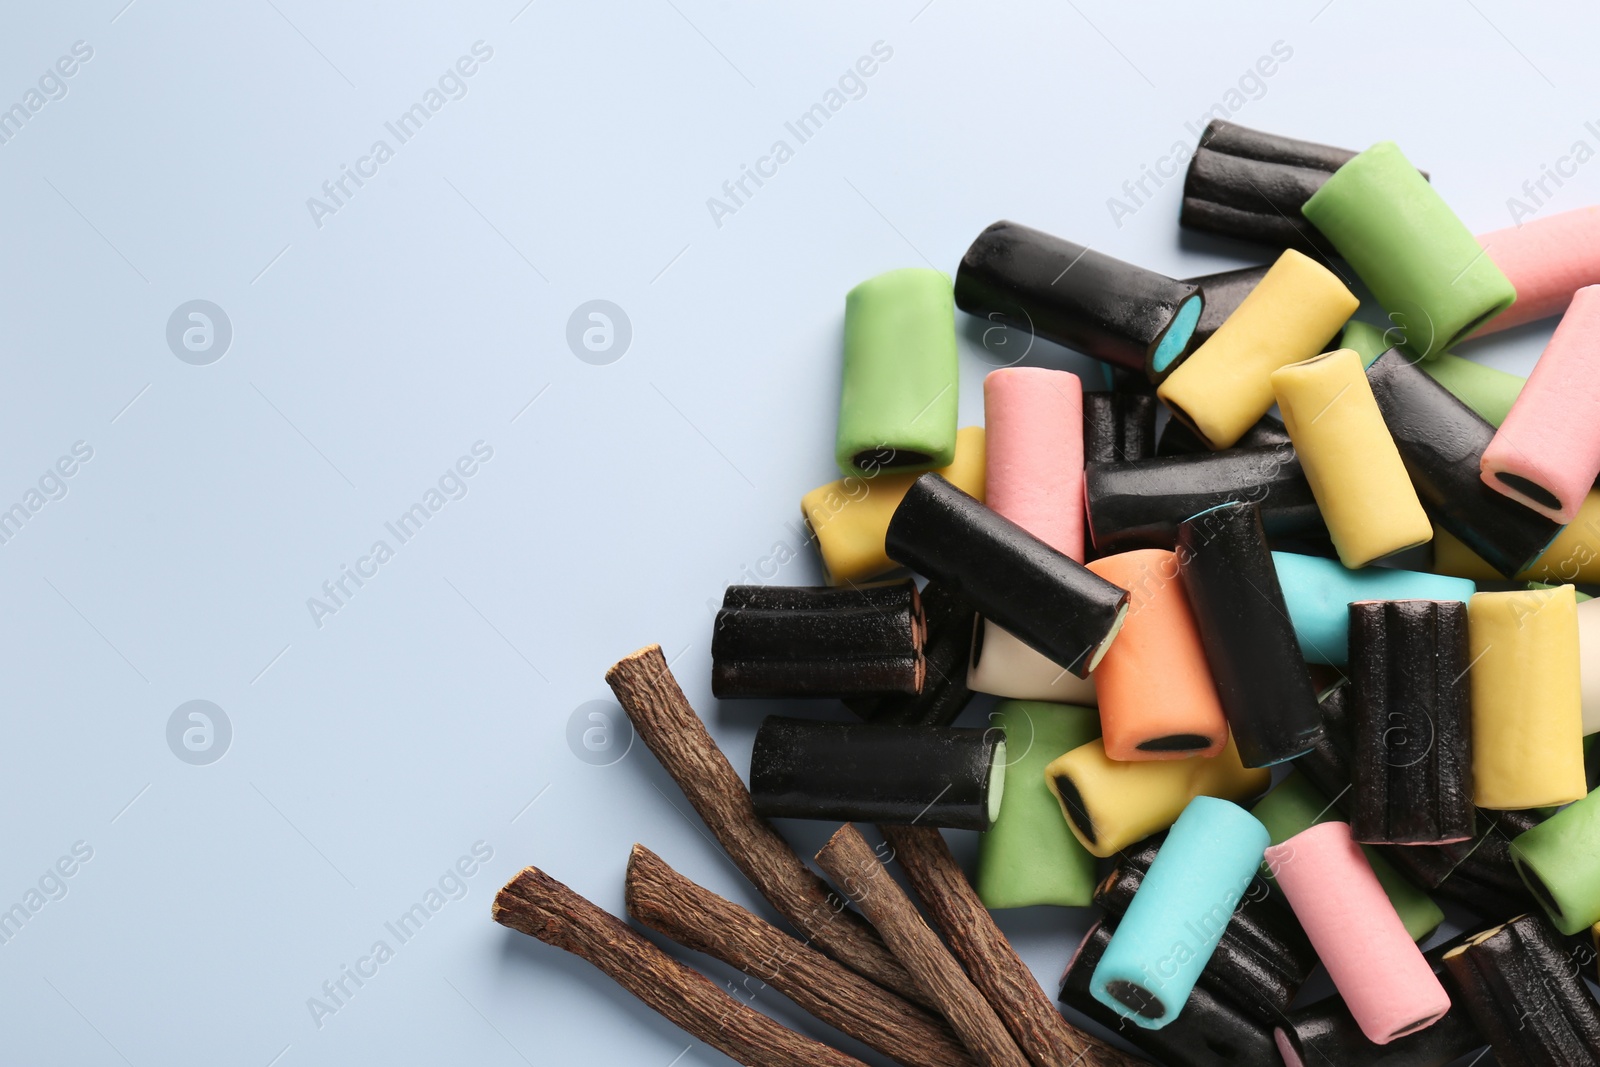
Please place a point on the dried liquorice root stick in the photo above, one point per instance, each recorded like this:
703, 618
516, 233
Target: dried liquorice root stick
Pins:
697, 918
541, 907
661, 715
856, 869
1047, 1038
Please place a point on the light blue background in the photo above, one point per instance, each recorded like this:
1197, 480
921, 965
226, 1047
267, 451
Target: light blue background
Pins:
368, 354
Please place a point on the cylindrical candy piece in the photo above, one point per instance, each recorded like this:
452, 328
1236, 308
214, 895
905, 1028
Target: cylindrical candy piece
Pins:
1527, 709
1003, 666
1118, 426
776, 641
847, 518
1075, 296
1035, 453
1424, 266
1294, 804
1247, 184
1223, 388
1441, 441
1589, 664
1522, 991
1546, 453
869, 772
1263, 957
1411, 709
897, 407
945, 650
1047, 599
1029, 856
1110, 804
1157, 696
1224, 292
1377, 968
1366, 340
1210, 1031
1183, 906
1140, 504
1345, 449
1560, 861
1574, 555
1546, 260
1233, 590
1319, 593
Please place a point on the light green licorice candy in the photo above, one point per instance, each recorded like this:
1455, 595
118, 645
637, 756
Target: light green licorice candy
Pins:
1560, 861
1029, 856
1295, 804
897, 406
1487, 391
1420, 261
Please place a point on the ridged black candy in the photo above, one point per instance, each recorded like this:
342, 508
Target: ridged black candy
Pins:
1263, 957
1053, 603
1251, 185
1521, 989
1140, 504
945, 650
1411, 719
1118, 426
1441, 441
1210, 1031
780, 641
1224, 292
1070, 294
874, 772
1244, 624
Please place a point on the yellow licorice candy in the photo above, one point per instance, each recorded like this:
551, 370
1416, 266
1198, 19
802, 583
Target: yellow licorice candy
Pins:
1110, 805
1527, 709
1226, 384
850, 516
1574, 556
1354, 468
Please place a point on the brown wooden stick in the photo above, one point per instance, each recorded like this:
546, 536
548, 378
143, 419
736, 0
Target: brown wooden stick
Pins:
542, 907
663, 719
696, 918
1007, 984
857, 871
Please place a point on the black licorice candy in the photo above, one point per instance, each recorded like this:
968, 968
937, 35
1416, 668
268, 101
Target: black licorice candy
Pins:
1246, 184
1177, 439
1263, 957
1441, 441
877, 772
1522, 991
1072, 295
1140, 504
1255, 658
945, 650
776, 641
1118, 426
1054, 604
1224, 292
1411, 721
1325, 1033
1210, 1031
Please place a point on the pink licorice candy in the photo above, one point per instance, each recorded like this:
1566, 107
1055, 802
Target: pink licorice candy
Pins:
1546, 261
1547, 452
1387, 985
1033, 430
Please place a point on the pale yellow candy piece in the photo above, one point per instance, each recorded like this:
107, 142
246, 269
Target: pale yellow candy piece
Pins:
1527, 711
1109, 805
1003, 665
1225, 385
1356, 474
850, 516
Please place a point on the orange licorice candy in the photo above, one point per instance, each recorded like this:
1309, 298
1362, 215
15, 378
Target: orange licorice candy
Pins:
1157, 697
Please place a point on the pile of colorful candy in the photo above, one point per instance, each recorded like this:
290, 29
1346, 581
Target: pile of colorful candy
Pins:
1168, 624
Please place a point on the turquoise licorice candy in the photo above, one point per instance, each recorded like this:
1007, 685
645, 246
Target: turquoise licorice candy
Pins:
1176, 918
1319, 592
